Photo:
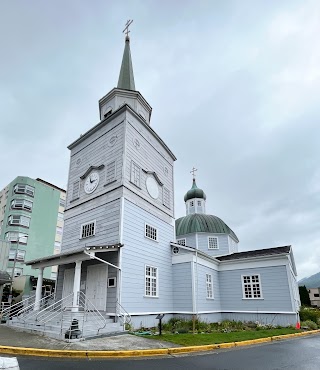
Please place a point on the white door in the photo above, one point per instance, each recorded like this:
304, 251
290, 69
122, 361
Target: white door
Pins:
68, 285
96, 287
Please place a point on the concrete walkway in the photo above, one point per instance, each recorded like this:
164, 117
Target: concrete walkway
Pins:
16, 338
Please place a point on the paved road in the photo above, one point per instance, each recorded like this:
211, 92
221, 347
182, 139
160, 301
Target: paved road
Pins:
294, 354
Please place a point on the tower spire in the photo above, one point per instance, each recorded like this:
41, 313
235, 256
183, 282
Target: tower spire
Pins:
126, 79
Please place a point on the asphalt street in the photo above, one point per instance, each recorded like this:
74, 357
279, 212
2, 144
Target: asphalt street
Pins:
293, 354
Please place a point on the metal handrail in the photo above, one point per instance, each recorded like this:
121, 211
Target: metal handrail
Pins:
51, 307
95, 311
122, 313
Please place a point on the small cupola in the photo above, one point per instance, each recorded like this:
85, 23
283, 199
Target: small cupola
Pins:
195, 199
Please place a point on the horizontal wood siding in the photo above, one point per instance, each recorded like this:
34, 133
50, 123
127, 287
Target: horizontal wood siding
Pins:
149, 155
139, 251
182, 287
203, 303
262, 318
222, 241
107, 226
274, 285
102, 147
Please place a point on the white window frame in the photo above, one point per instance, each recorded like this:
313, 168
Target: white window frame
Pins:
111, 179
152, 279
22, 204
24, 189
16, 253
14, 236
199, 203
251, 285
20, 223
62, 203
85, 224
135, 169
182, 241
59, 230
114, 285
209, 286
60, 216
149, 237
210, 246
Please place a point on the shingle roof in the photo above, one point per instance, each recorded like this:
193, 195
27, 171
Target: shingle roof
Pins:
256, 253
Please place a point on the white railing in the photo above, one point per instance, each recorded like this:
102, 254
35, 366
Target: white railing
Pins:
123, 316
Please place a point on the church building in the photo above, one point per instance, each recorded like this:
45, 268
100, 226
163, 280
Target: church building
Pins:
124, 252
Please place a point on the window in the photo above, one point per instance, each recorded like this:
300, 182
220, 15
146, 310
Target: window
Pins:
88, 229
192, 203
24, 189
19, 220
151, 281
57, 247
60, 216
151, 232
59, 230
135, 174
181, 241
175, 250
13, 237
76, 190
316, 294
199, 203
62, 202
22, 204
17, 255
111, 172
112, 282
166, 197
209, 286
251, 286
213, 242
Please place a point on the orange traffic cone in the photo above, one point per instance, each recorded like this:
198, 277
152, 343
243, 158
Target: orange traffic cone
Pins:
298, 325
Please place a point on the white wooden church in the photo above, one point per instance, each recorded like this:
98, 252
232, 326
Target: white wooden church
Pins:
124, 254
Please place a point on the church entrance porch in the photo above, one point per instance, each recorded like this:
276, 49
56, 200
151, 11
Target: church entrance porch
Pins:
96, 286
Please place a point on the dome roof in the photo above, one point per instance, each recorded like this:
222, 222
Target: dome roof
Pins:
195, 192
199, 222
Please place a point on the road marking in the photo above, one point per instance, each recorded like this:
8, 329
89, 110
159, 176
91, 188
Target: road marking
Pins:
9, 363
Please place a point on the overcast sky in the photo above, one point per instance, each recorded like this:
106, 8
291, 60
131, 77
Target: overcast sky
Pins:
234, 87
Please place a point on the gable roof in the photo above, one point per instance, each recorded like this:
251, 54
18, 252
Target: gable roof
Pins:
256, 253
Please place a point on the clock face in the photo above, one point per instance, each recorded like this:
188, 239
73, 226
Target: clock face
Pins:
152, 187
91, 183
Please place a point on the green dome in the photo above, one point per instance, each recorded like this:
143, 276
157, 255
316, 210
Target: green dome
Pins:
195, 192
202, 223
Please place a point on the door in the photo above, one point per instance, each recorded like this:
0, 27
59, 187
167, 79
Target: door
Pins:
68, 286
96, 287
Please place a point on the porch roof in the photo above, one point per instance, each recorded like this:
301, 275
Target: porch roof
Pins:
71, 256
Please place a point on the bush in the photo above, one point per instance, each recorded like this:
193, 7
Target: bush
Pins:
308, 313
309, 324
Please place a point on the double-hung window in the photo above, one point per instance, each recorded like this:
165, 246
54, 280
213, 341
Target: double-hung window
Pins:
209, 286
251, 286
151, 281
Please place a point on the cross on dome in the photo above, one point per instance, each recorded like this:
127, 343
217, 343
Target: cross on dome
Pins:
126, 29
193, 172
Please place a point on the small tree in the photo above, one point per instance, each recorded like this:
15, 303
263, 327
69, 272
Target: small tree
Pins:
304, 296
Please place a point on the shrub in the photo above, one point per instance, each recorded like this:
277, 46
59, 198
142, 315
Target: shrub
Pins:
308, 313
309, 324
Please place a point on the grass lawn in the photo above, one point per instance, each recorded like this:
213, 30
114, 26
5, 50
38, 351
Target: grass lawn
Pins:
190, 339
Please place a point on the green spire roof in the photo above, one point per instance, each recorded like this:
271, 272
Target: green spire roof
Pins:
195, 192
126, 79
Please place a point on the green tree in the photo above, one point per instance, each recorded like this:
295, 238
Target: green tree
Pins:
304, 296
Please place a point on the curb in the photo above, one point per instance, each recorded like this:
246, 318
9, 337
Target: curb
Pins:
38, 352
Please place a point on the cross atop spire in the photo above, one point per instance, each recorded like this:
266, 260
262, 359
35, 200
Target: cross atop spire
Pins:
126, 79
126, 29
193, 172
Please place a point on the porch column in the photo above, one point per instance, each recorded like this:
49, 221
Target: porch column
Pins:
76, 286
39, 290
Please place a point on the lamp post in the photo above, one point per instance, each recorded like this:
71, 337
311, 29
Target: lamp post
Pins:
13, 268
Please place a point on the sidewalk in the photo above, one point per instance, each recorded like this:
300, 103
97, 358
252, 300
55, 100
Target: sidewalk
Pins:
16, 338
